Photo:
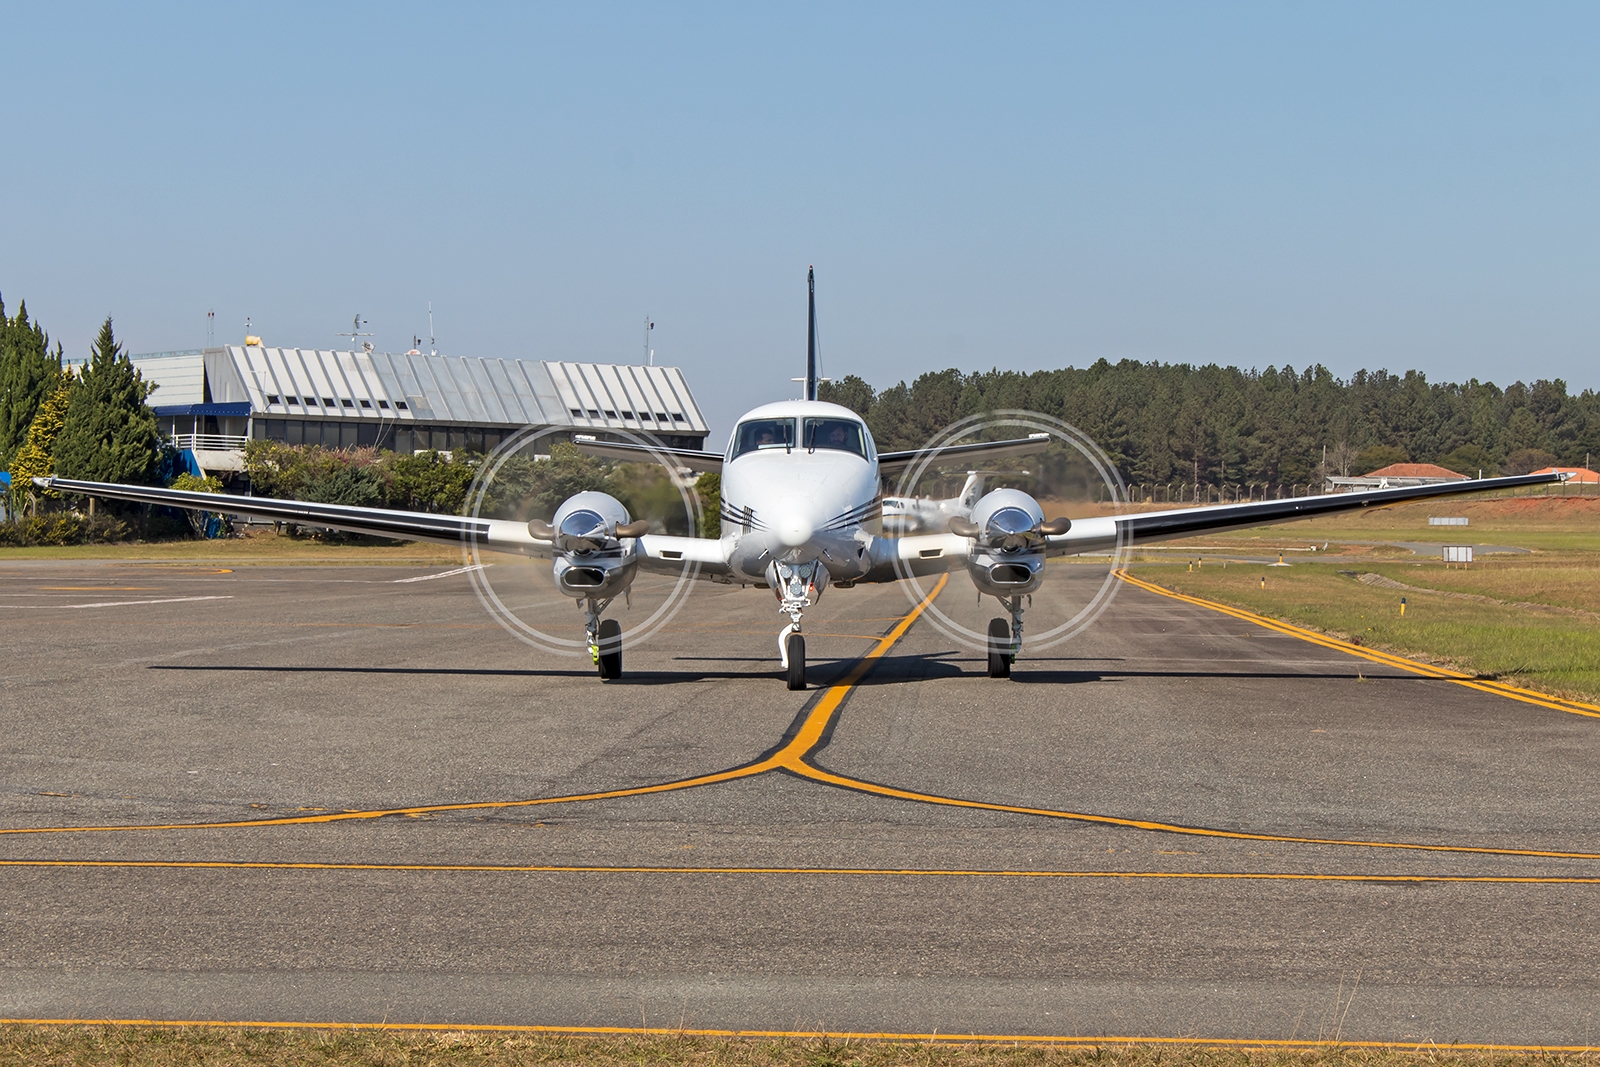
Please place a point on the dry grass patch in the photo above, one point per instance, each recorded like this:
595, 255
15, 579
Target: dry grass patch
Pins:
257, 546
1557, 652
133, 1046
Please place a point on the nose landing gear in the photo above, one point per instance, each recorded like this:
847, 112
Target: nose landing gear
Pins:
797, 585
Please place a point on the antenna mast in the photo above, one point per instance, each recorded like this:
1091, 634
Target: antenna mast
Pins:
433, 349
649, 353
811, 334
355, 331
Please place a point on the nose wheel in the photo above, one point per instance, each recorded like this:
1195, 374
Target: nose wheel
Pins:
794, 647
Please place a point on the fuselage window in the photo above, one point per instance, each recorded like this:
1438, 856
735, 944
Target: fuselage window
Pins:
757, 434
842, 435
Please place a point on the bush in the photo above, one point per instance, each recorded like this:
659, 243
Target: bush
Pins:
63, 528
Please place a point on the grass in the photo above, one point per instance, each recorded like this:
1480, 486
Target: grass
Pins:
1542, 523
1537, 627
257, 546
1554, 651
134, 1046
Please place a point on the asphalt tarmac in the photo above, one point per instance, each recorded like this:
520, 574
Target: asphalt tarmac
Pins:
275, 793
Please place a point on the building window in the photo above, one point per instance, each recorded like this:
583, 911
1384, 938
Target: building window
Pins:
400, 404
678, 418
660, 417
271, 399
593, 414
382, 404
644, 416
327, 401
311, 401
366, 403
347, 402
294, 400
611, 414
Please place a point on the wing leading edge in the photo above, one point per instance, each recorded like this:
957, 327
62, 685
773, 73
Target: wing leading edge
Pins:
1089, 535
500, 535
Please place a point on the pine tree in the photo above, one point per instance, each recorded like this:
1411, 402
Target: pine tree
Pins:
110, 434
27, 376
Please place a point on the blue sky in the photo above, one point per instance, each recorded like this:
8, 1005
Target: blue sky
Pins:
1378, 185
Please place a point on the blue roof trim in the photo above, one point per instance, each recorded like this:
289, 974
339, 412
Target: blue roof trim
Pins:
237, 409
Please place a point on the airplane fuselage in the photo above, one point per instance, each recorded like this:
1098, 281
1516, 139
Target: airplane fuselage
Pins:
800, 484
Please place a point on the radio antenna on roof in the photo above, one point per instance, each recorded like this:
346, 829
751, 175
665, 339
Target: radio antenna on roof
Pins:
433, 348
355, 331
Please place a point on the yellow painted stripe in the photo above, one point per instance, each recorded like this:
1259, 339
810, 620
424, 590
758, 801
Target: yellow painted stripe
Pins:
820, 775
789, 756
1080, 1040
1427, 670
819, 872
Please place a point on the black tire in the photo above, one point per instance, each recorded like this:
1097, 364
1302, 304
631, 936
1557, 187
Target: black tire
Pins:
1000, 654
610, 649
797, 661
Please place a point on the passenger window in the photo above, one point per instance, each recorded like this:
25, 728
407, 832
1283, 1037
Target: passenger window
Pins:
842, 435
757, 434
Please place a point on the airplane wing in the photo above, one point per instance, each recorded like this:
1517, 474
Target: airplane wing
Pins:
683, 457
1100, 533
665, 554
890, 463
499, 535
896, 557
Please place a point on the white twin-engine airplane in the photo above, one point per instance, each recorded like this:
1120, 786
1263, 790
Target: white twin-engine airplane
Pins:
802, 508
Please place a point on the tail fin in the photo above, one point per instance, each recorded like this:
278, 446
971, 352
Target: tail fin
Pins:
811, 335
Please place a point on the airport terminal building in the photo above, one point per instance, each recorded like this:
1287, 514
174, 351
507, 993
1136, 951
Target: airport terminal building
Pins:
216, 399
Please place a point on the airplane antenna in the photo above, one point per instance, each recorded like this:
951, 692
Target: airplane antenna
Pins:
811, 334
433, 349
355, 331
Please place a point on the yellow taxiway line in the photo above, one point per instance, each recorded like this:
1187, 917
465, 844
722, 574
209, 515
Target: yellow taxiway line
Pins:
818, 872
789, 757
796, 757
1080, 1041
1427, 670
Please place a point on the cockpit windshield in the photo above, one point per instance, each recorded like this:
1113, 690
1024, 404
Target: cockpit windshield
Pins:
843, 435
757, 434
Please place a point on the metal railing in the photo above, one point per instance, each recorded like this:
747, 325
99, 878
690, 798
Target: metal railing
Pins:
209, 442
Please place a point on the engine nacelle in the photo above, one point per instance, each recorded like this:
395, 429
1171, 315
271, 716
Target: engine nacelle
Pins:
588, 531
1008, 558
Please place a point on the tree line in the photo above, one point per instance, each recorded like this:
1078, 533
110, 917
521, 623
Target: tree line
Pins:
91, 422
1204, 426
1222, 426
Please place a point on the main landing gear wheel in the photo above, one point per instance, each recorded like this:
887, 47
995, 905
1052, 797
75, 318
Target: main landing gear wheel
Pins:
1000, 655
797, 661
609, 659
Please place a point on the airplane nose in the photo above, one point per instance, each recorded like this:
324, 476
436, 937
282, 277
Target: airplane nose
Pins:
793, 528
